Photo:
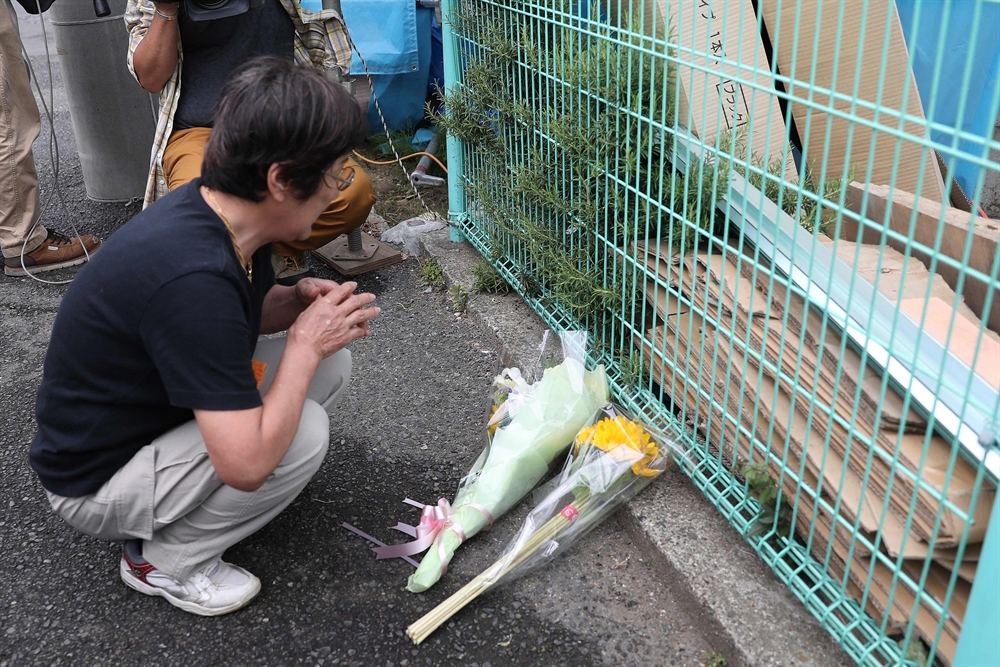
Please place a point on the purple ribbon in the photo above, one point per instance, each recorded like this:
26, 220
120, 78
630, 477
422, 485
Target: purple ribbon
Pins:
361, 533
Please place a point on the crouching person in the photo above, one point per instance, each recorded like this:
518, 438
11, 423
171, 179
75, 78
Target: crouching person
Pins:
162, 419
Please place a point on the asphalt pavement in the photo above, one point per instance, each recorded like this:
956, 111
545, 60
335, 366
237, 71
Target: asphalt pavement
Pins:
410, 425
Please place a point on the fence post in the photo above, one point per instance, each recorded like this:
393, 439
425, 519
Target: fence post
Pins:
452, 76
979, 643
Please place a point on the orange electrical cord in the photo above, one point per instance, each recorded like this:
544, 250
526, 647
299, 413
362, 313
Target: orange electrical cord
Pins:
407, 157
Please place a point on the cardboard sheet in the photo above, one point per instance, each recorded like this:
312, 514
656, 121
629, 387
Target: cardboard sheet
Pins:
897, 278
961, 339
922, 220
839, 40
723, 71
895, 437
966, 569
721, 345
711, 284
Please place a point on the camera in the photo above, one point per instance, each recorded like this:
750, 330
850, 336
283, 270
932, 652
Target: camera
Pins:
209, 10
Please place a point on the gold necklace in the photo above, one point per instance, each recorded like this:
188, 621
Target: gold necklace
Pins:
247, 266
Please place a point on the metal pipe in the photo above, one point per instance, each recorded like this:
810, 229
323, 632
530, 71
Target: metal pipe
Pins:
419, 175
455, 149
432, 146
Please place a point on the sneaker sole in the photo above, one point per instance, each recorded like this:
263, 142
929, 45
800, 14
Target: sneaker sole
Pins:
17, 271
192, 608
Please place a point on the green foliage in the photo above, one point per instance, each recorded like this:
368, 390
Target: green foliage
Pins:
775, 512
431, 273
802, 201
713, 659
488, 279
459, 297
916, 652
401, 138
630, 363
566, 164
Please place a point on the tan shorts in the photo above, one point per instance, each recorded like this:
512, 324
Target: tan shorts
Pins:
182, 163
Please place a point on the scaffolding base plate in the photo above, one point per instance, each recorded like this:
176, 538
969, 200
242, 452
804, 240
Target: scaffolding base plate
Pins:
375, 255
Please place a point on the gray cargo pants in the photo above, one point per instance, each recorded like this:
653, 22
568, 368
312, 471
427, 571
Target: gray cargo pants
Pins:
170, 496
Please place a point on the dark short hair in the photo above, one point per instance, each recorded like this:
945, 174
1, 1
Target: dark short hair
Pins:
273, 111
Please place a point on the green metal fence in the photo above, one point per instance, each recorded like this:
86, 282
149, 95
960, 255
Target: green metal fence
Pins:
749, 205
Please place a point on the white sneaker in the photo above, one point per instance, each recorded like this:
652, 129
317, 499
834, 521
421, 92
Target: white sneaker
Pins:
216, 589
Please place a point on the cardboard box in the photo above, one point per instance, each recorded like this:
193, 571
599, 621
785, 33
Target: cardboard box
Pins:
848, 38
715, 95
895, 209
750, 326
929, 301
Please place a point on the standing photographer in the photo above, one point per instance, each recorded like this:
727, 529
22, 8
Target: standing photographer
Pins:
185, 53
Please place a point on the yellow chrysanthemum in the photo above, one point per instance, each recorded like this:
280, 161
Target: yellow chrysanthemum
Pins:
624, 440
493, 422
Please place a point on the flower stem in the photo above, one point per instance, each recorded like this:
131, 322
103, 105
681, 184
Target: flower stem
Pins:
427, 624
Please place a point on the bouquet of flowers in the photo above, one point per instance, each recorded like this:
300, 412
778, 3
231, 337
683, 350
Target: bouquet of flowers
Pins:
612, 460
534, 421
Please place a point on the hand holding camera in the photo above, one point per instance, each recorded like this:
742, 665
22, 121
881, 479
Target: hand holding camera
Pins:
167, 9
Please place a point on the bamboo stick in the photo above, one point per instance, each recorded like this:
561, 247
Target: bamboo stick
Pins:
432, 620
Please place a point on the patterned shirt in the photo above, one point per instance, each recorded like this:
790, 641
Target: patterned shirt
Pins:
321, 40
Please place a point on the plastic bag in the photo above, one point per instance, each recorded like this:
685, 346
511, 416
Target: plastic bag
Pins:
407, 233
611, 460
538, 411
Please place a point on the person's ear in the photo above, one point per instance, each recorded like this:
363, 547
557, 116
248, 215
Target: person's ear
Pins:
277, 186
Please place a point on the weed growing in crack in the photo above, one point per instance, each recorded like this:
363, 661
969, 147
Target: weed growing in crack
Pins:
430, 272
459, 297
488, 279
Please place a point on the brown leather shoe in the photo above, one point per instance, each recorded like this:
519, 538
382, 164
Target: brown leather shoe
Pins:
57, 252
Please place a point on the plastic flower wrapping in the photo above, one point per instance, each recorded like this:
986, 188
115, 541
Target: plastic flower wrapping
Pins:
612, 460
534, 421
613, 457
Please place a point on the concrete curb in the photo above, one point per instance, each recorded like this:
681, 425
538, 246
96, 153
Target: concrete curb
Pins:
704, 560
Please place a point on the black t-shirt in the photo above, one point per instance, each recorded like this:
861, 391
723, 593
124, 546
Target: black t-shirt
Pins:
161, 321
213, 49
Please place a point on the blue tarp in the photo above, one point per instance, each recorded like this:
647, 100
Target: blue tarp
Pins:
385, 32
395, 38
966, 43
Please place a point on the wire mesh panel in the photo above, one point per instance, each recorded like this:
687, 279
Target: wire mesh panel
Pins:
767, 215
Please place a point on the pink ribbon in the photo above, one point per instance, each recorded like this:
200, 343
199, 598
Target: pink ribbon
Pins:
434, 520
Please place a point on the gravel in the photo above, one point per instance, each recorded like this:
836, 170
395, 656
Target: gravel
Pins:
408, 426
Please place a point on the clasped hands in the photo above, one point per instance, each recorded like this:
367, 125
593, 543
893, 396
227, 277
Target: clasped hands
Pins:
333, 316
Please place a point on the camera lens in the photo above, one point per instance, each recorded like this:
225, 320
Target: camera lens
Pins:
209, 5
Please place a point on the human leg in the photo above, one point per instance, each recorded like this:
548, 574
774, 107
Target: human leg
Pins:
170, 496
27, 247
345, 214
329, 380
183, 154
19, 126
197, 517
